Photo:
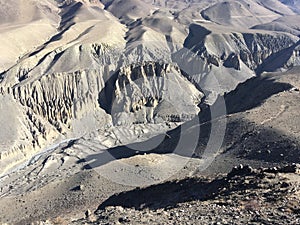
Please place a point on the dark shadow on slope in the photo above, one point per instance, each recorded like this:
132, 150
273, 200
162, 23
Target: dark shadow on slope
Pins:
181, 141
165, 195
253, 93
56, 37
68, 12
166, 144
196, 37
85, 32
107, 3
277, 60
247, 95
246, 140
106, 96
55, 59
65, 18
169, 194
2, 76
243, 139
239, 133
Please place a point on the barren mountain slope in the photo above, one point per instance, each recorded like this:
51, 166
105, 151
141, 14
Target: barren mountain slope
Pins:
286, 24
24, 25
293, 4
99, 96
262, 131
242, 196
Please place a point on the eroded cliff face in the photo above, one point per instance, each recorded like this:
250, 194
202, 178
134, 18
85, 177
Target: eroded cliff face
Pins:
61, 97
72, 104
23, 132
138, 90
150, 92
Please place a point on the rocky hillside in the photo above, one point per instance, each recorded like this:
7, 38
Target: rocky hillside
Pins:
245, 195
141, 91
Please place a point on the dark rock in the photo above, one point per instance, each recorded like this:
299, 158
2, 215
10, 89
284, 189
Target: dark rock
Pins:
232, 61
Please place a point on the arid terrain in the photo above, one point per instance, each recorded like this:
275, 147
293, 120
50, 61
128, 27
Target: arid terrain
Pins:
149, 112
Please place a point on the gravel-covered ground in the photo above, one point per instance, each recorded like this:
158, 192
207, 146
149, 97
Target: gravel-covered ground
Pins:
243, 196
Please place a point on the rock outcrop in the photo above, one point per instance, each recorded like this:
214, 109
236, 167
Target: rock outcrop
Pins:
245, 194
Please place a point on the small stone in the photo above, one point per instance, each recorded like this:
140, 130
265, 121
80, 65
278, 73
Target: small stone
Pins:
247, 182
124, 219
78, 188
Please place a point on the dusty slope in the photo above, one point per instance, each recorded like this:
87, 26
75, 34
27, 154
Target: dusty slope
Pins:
144, 67
24, 26
286, 24
243, 196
